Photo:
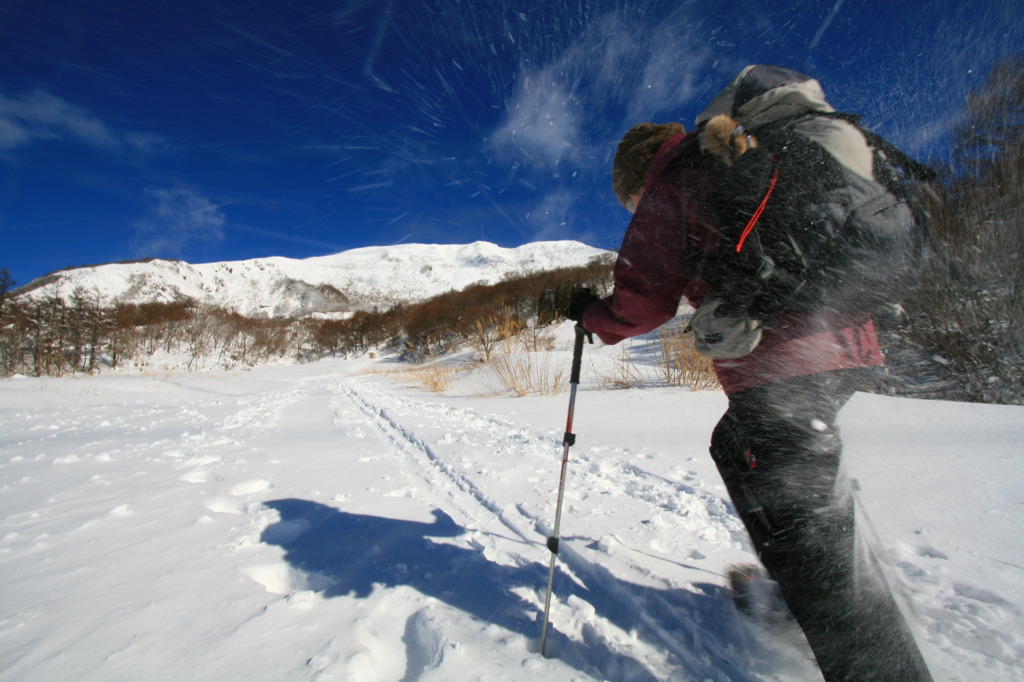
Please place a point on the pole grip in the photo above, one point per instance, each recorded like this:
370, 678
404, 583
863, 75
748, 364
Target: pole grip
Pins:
577, 353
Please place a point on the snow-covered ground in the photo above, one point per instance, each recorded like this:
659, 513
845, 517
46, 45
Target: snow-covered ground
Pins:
329, 522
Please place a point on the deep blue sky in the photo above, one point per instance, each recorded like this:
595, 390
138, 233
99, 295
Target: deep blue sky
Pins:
211, 130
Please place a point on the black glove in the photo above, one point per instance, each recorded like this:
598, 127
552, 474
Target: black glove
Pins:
581, 298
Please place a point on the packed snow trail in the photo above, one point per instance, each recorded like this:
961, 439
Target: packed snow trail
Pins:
298, 523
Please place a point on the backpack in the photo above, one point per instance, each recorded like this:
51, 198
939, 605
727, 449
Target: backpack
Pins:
813, 211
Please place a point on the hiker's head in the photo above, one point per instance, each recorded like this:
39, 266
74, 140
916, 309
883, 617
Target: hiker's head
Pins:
634, 156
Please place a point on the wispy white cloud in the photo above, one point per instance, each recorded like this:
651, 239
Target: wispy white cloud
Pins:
541, 123
651, 73
566, 111
179, 218
615, 74
26, 119
550, 219
673, 71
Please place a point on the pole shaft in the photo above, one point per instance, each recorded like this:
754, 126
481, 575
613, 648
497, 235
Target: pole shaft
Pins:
567, 442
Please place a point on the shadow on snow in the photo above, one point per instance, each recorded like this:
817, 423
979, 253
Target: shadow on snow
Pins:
346, 554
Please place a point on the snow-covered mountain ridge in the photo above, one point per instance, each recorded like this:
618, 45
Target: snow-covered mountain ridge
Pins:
359, 279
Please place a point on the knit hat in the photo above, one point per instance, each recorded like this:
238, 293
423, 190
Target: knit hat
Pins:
634, 156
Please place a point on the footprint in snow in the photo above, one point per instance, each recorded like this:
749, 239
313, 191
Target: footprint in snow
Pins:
121, 511
250, 487
222, 505
196, 476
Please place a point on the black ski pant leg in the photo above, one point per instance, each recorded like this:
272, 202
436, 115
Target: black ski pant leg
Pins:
778, 451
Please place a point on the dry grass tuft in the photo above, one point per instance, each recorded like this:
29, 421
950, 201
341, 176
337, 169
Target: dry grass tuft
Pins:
621, 373
681, 364
522, 370
435, 378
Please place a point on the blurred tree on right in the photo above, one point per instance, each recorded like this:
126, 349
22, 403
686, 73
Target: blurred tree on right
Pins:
967, 314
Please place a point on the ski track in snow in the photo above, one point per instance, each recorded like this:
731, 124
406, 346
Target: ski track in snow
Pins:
670, 626
472, 507
605, 644
365, 516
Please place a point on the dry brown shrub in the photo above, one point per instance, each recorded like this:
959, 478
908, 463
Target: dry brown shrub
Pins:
435, 378
522, 372
681, 364
620, 373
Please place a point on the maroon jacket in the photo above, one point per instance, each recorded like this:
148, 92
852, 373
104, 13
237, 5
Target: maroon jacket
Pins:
660, 262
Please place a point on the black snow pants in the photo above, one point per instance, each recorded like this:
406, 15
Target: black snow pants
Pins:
778, 451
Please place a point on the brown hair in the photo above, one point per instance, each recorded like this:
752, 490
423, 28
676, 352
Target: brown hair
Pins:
634, 155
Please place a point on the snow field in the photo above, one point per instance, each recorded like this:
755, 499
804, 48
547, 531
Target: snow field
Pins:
319, 523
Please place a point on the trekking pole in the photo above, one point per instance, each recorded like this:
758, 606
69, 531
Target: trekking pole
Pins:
568, 441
